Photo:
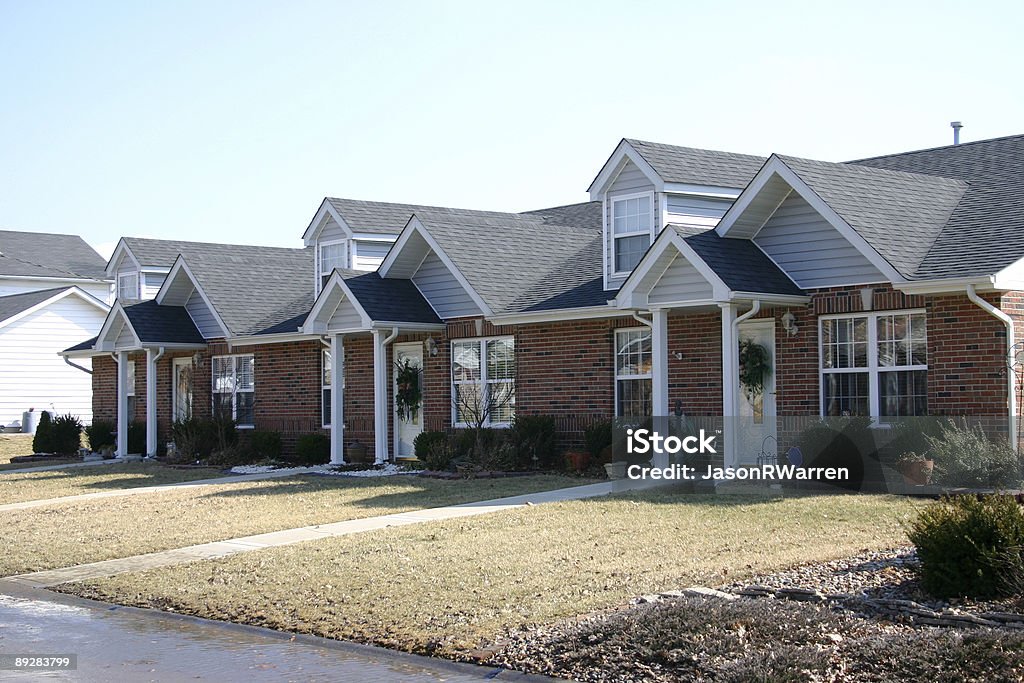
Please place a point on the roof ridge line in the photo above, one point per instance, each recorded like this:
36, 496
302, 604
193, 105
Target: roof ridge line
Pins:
933, 149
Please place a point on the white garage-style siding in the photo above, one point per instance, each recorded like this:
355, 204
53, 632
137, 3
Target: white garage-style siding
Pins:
33, 374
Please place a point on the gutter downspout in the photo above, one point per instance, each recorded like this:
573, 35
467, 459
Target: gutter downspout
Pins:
1011, 383
76, 366
645, 321
754, 310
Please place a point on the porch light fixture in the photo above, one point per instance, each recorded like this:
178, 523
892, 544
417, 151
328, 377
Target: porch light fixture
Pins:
789, 323
678, 355
431, 346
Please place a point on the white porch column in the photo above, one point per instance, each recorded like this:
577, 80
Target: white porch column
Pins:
659, 377
152, 356
338, 399
730, 382
122, 403
380, 397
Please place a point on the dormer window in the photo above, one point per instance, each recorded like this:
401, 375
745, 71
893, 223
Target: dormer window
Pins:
128, 286
631, 230
331, 255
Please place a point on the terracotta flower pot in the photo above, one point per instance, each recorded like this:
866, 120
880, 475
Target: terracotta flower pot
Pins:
578, 460
917, 472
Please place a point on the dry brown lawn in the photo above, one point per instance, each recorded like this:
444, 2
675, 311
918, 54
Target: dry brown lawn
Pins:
12, 445
449, 587
72, 481
66, 534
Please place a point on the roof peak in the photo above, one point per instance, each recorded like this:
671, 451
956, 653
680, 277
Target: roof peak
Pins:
972, 143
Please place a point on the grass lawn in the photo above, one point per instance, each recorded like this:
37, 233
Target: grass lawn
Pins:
72, 481
66, 534
449, 587
12, 445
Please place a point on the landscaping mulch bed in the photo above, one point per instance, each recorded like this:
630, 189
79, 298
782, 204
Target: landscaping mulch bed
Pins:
42, 459
863, 618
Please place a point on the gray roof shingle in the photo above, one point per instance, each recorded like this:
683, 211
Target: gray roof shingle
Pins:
985, 231
742, 266
389, 299
698, 166
162, 324
386, 217
13, 304
40, 254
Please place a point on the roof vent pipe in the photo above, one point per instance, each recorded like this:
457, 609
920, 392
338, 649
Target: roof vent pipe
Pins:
956, 125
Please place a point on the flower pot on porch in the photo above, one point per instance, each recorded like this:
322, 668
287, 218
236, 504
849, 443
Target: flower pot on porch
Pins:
917, 472
616, 470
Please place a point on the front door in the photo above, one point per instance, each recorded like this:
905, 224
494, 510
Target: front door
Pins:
181, 401
758, 435
408, 418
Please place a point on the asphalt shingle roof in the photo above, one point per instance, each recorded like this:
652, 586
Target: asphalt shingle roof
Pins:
386, 217
388, 299
13, 304
985, 231
40, 254
698, 166
742, 266
899, 214
162, 324
83, 346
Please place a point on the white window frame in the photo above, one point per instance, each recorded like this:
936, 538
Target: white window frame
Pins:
872, 369
613, 236
130, 390
121, 277
615, 365
484, 380
234, 386
325, 386
319, 259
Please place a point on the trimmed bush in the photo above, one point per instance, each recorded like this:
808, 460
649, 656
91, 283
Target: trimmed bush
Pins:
963, 544
597, 438
232, 456
137, 437
198, 438
265, 445
437, 453
966, 456
426, 441
101, 433
66, 434
42, 442
312, 449
533, 440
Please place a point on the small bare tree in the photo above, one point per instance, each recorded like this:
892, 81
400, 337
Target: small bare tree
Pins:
479, 404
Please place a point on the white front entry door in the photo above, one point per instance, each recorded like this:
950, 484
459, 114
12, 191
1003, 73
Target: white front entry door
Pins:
758, 429
409, 427
181, 401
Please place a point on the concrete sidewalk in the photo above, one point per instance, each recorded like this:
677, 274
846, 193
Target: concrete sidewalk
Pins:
132, 645
216, 549
197, 483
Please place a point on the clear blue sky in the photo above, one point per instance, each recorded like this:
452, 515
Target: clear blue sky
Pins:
230, 121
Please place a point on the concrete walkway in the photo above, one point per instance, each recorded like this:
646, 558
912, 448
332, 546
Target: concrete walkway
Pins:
206, 551
197, 483
129, 645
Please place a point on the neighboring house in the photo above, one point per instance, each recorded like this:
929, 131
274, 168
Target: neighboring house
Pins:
34, 328
53, 290
884, 287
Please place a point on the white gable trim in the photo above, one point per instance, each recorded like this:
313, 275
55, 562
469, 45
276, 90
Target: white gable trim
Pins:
414, 226
611, 169
776, 166
120, 250
181, 269
116, 314
71, 291
633, 295
324, 304
326, 209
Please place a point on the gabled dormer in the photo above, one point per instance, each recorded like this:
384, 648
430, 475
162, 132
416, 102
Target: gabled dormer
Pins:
645, 186
137, 273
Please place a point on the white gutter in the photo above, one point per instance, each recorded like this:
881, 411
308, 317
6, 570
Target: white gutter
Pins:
645, 321
76, 366
754, 310
1011, 383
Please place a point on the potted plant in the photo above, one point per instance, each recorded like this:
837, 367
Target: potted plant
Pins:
916, 469
578, 460
616, 469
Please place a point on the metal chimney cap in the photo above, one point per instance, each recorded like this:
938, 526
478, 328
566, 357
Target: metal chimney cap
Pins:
956, 124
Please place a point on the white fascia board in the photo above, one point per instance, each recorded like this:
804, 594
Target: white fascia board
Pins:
334, 284
70, 291
568, 314
181, 269
120, 250
415, 226
776, 166
407, 327
949, 285
116, 314
155, 269
374, 237
326, 209
783, 299
703, 190
613, 167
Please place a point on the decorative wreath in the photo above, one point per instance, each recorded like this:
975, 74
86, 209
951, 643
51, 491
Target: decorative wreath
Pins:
408, 393
755, 366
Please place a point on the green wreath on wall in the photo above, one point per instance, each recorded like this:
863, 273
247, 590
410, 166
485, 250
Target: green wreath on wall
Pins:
755, 366
408, 392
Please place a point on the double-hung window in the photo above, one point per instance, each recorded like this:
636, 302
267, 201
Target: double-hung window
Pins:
331, 255
234, 388
875, 364
128, 286
484, 381
631, 230
130, 391
633, 372
325, 387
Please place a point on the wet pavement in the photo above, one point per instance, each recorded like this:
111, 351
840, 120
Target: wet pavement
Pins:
126, 644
